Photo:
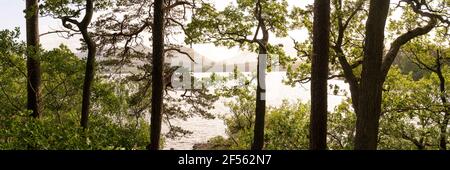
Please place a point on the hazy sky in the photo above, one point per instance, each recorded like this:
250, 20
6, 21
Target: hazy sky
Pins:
11, 16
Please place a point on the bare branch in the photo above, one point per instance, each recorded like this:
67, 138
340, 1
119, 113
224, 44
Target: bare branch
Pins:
181, 52
177, 3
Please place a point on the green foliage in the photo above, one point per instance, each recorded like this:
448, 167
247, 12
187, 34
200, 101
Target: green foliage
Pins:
402, 116
70, 8
350, 46
288, 127
413, 111
341, 127
12, 73
208, 20
235, 25
62, 132
110, 126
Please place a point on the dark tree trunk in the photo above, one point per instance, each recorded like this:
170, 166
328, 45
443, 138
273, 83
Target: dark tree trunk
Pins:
367, 121
260, 110
157, 75
90, 63
33, 61
354, 93
444, 125
258, 138
442, 90
88, 79
319, 75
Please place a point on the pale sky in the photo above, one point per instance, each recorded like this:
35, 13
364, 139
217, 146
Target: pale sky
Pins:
11, 16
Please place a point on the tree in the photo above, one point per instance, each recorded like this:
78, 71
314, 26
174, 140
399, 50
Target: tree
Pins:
120, 42
350, 49
319, 75
157, 74
33, 61
369, 99
434, 58
260, 110
412, 112
232, 27
375, 66
90, 63
61, 10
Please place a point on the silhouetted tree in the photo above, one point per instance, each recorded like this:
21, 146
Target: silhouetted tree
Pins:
157, 74
61, 10
319, 75
33, 61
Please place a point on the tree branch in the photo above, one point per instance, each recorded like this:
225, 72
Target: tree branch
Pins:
177, 3
400, 41
182, 52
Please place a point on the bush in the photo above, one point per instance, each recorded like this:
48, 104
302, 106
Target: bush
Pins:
21, 132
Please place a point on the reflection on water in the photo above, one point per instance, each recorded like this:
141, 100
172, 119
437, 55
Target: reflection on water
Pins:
276, 92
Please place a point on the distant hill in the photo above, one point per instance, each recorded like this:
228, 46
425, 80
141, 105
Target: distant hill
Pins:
204, 64
245, 61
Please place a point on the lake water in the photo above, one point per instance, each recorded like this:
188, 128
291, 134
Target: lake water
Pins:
276, 92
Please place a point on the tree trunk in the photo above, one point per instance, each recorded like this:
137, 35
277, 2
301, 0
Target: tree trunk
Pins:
444, 124
157, 75
90, 63
260, 111
33, 61
319, 75
88, 79
367, 121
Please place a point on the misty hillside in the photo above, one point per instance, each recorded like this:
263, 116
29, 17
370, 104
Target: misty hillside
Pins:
244, 61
